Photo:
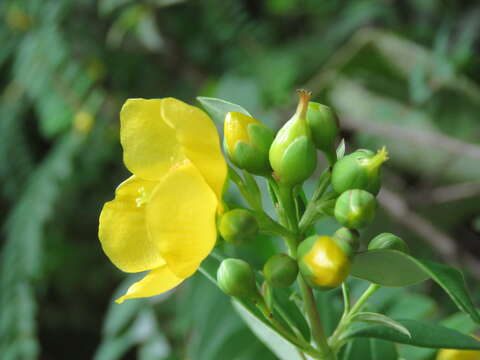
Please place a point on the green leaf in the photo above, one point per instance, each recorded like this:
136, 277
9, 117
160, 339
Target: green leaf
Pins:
395, 268
380, 319
423, 334
218, 108
372, 349
341, 149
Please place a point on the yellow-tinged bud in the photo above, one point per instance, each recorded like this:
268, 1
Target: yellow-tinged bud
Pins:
235, 277
359, 170
323, 263
324, 127
238, 226
355, 209
247, 143
388, 241
292, 154
455, 354
280, 270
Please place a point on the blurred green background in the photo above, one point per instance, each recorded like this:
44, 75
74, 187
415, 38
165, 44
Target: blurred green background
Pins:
400, 73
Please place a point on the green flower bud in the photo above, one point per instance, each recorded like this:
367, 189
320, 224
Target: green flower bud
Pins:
323, 264
280, 270
347, 239
238, 225
359, 170
247, 143
235, 277
292, 154
388, 241
355, 209
324, 127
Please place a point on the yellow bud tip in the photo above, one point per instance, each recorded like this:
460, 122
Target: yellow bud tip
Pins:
303, 99
380, 157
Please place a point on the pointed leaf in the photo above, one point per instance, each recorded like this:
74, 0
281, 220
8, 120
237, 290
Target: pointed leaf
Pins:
380, 319
341, 149
218, 108
395, 268
423, 334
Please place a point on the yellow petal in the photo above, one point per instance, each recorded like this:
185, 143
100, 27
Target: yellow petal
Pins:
181, 219
154, 283
122, 230
150, 146
198, 136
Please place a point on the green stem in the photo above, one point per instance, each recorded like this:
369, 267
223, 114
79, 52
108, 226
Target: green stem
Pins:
346, 297
311, 210
363, 299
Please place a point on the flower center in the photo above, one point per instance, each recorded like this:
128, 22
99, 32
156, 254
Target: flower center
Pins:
142, 199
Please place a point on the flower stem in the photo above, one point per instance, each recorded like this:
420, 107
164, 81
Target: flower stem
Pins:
311, 210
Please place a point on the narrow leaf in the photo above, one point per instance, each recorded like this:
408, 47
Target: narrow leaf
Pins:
341, 149
218, 108
423, 334
380, 319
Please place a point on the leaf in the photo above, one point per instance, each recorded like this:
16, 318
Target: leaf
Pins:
395, 268
218, 108
380, 319
372, 349
423, 334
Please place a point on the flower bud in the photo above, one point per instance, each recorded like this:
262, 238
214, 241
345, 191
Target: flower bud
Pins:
247, 143
456, 354
322, 262
347, 239
235, 277
355, 209
323, 124
280, 270
359, 170
238, 225
388, 241
292, 154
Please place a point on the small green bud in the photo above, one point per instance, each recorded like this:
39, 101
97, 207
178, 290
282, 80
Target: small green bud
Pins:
359, 170
235, 277
347, 239
388, 241
355, 209
280, 270
324, 127
323, 264
247, 143
238, 225
292, 154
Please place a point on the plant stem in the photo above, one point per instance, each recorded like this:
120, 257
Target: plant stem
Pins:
363, 299
311, 210
346, 298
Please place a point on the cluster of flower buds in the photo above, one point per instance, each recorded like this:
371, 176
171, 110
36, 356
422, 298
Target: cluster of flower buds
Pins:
288, 158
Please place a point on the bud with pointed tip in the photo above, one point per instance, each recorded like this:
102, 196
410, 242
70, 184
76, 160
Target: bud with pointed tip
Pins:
359, 170
323, 264
247, 143
292, 154
347, 239
324, 127
238, 225
388, 241
355, 209
280, 270
235, 277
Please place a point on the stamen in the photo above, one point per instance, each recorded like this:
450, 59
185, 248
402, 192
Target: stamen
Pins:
142, 199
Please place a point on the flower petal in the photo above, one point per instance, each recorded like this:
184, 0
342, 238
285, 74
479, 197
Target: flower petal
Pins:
154, 283
198, 136
150, 146
122, 229
181, 218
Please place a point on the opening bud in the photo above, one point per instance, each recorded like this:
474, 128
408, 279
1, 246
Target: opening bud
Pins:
355, 209
347, 239
247, 143
323, 263
235, 277
280, 270
292, 154
359, 170
238, 226
388, 241
456, 354
324, 127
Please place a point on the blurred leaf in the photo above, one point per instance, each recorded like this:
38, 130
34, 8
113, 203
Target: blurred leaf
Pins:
423, 334
380, 319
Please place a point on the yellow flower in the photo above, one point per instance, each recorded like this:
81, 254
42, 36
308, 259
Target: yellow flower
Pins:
163, 217
453, 354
